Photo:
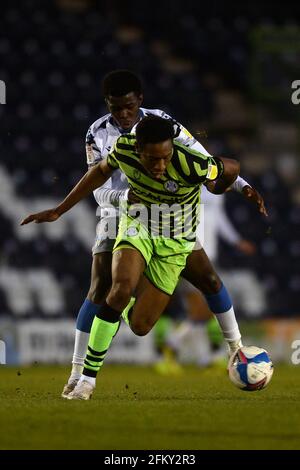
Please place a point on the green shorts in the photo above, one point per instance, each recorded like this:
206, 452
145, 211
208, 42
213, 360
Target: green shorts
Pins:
165, 257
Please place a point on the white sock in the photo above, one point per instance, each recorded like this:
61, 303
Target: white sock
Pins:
91, 380
76, 372
229, 326
80, 349
80, 346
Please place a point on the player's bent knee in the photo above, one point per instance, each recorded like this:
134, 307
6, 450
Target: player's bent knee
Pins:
214, 283
95, 297
211, 284
120, 295
140, 328
100, 278
98, 290
123, 289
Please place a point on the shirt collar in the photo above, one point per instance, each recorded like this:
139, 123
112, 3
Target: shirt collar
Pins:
113, 123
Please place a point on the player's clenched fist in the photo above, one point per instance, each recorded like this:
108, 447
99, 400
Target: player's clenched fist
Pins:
49, 215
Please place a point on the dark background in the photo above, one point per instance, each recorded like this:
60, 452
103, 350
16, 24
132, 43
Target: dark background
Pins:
225, 73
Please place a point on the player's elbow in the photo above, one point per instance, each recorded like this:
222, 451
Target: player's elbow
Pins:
230, 173
236, 168
231, 168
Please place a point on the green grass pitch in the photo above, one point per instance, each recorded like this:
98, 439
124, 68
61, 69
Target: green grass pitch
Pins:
134, 408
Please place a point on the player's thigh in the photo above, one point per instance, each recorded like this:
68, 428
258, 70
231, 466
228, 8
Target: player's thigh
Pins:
200, 272
100, 277
132, 251
154, 291
150, 304
128, 265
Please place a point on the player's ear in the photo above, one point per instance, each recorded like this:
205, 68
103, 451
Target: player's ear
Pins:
138, 148
140, 99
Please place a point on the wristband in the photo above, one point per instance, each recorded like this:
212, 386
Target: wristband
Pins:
239, 184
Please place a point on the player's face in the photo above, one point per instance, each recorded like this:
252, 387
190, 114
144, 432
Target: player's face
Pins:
156, 157
125, 109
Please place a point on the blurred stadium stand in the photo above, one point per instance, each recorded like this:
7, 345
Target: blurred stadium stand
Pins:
206, 68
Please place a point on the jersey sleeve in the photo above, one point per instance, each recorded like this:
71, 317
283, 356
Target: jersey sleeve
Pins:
112, 159
93, 153
215, 168
200, 168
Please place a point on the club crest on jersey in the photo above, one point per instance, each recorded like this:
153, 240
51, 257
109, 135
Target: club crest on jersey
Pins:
171, 186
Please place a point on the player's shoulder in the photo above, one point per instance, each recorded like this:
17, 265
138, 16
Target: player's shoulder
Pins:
183, 148
99, 125
159, 112
151, 112
155, 112
179, 145
126, 142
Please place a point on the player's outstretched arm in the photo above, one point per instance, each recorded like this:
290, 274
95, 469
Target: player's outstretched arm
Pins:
242, 186
254, 196
92, 179
231, 169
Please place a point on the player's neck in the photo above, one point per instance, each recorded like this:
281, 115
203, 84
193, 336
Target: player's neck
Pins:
128, 131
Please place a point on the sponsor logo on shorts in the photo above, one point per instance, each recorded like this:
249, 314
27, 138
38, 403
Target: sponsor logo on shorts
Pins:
132, 232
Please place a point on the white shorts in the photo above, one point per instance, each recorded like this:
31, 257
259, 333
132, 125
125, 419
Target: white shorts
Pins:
106, 233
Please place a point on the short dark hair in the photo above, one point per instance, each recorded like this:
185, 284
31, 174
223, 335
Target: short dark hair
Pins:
153, 129
120, 83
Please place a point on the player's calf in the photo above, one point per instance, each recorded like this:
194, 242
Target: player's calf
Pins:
138, 325
220, 304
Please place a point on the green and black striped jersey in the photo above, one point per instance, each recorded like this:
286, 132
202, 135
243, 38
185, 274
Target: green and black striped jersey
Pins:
173, 201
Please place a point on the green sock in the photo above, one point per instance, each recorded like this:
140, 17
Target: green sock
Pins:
161, 330
214, 332
101, 335
126, 311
